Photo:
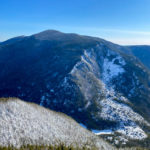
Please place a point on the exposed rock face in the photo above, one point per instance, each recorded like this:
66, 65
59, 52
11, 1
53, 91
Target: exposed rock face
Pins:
88, 78
24, 123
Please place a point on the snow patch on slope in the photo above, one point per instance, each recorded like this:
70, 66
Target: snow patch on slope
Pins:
112, 69
126, 117
118, 111
134, 132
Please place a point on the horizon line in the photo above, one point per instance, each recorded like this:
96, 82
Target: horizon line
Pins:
117, 40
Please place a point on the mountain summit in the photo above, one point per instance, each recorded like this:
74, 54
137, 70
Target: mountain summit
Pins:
95, 81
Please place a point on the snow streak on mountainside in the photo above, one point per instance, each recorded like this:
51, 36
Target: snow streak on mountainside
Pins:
24, 123
103, 68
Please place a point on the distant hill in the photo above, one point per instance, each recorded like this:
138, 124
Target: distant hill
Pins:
143, 53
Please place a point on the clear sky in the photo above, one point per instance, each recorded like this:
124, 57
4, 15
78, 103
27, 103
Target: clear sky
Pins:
120, 21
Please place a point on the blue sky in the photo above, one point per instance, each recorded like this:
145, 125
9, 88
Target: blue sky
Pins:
120, 21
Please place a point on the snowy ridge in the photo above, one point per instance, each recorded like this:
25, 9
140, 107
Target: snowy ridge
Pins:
85, 70
23, 123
